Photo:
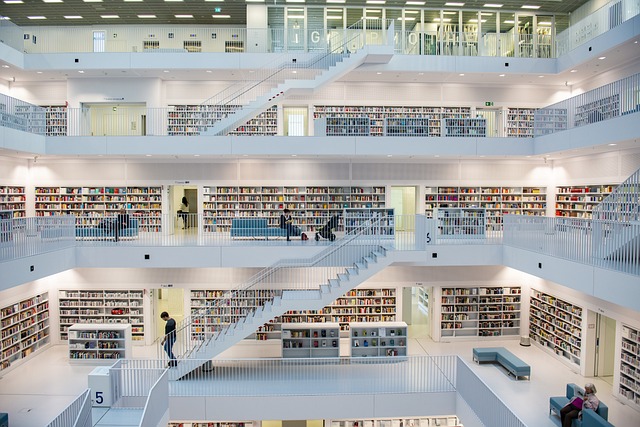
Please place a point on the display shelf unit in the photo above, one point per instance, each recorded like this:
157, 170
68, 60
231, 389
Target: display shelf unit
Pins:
378, 117
595, 111
99, 342
520, 122
342, 126
311, 340
357, 305
378, 339
497, 201
556, 325
6, 227
219, 308
24, 328
629, 384
461, 223
482, 311
56, 120
578, 201
13, 198
190, 120
92, 203
310, 206
34, 118
210, 424
443, 421
112, 307
464, 127
550, 120
357, 220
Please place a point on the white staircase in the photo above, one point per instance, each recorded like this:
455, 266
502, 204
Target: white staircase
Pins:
367, 260
246, 101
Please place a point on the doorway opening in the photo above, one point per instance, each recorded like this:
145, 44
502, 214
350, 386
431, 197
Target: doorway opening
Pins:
416, 311
493, 117
403, 202
604, 356
295, 121
107, 119
185, 222
170, 300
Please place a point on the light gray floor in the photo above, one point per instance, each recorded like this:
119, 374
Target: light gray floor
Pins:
36, 391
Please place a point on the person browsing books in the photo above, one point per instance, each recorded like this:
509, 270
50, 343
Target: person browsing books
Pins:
573, 409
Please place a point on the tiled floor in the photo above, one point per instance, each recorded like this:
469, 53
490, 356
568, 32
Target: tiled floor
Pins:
35, 392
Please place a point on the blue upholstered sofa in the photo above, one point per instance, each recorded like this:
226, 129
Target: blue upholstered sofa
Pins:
108, 231
256, 228
511, 363
590, 418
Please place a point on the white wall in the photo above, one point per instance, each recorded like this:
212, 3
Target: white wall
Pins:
106, 90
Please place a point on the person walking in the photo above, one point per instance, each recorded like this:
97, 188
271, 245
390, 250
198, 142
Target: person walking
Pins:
184, 212
169, 338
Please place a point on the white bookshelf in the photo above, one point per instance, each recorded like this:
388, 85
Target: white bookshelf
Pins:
520, 122
378, 339
112, 307
496, 200
56, 120
578, 201
13, 198
312, 340
211, 424
464, 127
556, 325
99, 343
342, 126
550, 120
595, 111
442, 421
89, 204
311, 206
190, 120
24, 329
423, 300
381, 221
629, 376
480, 311
461, 223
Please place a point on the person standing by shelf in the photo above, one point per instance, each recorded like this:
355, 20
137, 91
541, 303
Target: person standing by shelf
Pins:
184, 212
169, 338
122, 222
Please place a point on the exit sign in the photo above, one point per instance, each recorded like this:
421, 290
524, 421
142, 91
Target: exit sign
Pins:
488, 104
217, 9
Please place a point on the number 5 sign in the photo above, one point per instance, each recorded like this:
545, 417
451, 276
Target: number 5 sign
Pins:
100, 385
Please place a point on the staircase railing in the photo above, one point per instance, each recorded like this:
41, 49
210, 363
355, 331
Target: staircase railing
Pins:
294, 66
616, 224
295, 274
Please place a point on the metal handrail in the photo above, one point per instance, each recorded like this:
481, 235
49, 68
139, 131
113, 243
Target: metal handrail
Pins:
322, 259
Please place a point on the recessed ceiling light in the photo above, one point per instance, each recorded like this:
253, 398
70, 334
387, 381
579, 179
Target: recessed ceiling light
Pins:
173, 1
454, 4
132, 1
541, 76
38, 72
545, 23
196, 155
526, 6
148, 155
336, 1
376, 1
294, 1
165, 71
183, 16
378, 73
92, 1
294, 72
294, 155
209, 71
109, 16
443, 19
13, 1
221, 16
411, 12
254, 1
461, 74
612, 144
602, 57
52, 1
81, 72
36, 17
73, 17
492, 5
5, 66
146, 16
437, 155
389, 155
421, 74
574, 71
501, 75
415, 3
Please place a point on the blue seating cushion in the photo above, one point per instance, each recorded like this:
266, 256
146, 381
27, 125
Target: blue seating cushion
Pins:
504, 357
254, 227
597, 418
131, 231
4, 419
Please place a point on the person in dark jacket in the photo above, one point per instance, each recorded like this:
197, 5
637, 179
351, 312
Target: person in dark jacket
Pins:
169, 337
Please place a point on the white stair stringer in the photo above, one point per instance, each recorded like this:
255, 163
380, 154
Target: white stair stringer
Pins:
299, 87
313, 299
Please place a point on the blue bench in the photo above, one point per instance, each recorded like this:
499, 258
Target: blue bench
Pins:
109, 232
511, 363
589, 418
255, 228
4, 419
